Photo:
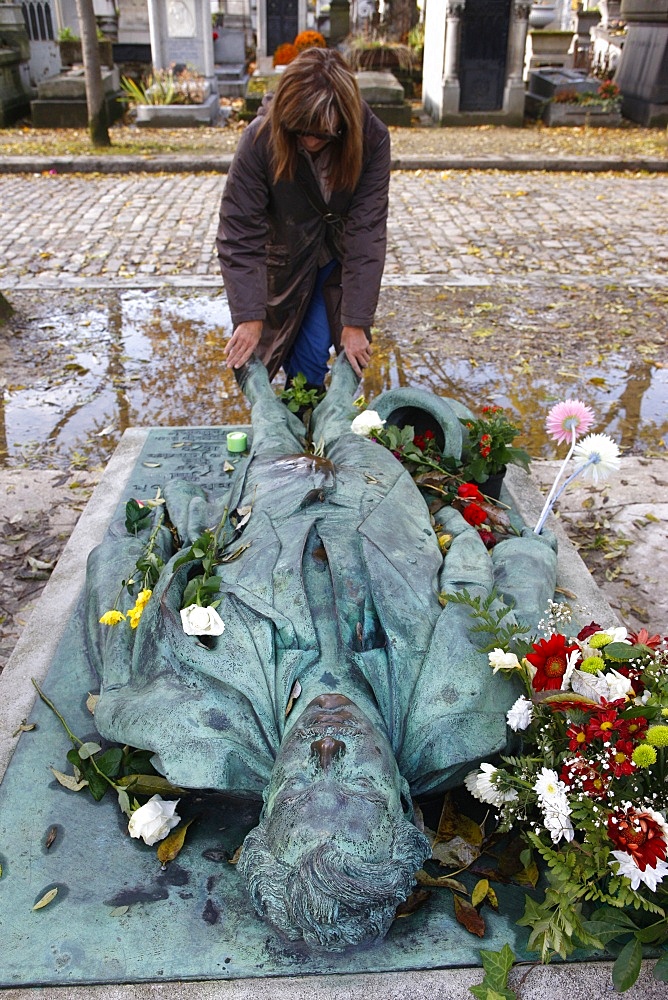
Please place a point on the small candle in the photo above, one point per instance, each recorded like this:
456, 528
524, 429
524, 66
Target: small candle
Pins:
237, 441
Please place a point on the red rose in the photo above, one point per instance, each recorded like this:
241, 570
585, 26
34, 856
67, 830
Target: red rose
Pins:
475, 515
469, 491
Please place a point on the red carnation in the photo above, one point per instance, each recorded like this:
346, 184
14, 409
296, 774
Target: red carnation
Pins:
588, 630
550, 658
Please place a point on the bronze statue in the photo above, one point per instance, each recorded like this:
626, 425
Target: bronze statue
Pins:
335, 598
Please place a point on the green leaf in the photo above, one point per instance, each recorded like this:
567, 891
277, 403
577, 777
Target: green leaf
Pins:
110, 761
626, 969
150, 784
610, 915
621, 652
497, 965
96, 783
603, 931
660, 970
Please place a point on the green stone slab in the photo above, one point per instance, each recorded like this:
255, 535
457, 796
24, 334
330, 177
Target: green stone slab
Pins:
192, 921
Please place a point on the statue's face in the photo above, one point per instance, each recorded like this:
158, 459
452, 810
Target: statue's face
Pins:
335, 780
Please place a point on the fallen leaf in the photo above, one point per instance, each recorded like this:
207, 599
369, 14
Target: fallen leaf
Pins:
51, 836
294, 694
170, 847
444, 882
468, 917
235, 857
91, 702
119, 911
480, 891
228, 467
47, 898
25, 728
68, 781
413, 903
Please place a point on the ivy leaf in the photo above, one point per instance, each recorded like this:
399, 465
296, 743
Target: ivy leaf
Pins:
626, 969
497, 965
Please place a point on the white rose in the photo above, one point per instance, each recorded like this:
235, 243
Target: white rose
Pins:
153, 821
503, 661
366, 422
201, 621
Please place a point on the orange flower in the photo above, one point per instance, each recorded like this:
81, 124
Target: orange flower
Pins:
309, 40
284, 54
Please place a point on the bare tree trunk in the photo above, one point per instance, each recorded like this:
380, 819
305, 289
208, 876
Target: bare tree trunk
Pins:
6, 309
401, 17
97, 111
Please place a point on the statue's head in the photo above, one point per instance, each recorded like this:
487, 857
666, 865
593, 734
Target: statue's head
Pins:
335, 851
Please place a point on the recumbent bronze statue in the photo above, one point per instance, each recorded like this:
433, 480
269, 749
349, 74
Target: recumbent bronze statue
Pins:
337, 589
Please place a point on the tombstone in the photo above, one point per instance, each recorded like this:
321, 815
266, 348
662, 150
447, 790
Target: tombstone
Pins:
385, 96
14, 64
642, 72
278, 21
229, 50
181, 33
474, 60
40, 22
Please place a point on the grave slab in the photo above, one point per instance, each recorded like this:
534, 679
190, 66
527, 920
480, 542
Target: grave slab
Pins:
119, 921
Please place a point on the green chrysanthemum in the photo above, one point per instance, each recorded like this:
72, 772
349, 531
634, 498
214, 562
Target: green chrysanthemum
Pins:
657, 736
599, 640
593, 664
644, 755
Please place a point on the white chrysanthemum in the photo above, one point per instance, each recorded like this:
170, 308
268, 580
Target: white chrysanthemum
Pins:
598, 455
549, 789
651, 876
499, 660
558, 825
365, 422
520, 714
482, 787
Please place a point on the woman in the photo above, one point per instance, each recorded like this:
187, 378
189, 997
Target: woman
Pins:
303, 220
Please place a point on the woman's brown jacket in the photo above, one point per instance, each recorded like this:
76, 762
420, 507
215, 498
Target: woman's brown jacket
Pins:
271, 238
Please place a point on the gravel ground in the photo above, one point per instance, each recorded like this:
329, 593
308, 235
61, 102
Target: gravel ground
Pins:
534, 139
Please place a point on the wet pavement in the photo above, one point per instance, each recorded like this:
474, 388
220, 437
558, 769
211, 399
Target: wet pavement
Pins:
519, 288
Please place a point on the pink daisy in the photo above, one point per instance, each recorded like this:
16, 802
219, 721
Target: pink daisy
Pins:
566, 417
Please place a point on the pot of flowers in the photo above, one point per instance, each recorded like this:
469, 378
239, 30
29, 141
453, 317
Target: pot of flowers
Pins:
600, 109
488, 450
171, 99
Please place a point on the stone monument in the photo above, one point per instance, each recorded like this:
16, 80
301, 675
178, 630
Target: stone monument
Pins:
474, 61
642, 71
340, 685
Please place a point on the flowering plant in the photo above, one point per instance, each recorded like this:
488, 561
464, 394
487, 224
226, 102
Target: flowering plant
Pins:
488, 445
284, 54
309, 40
587, 788
608, 96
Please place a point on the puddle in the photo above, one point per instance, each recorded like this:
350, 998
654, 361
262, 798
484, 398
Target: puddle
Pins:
79, 370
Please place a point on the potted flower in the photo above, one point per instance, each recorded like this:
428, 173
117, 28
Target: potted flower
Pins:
169, 99
488, 448
602, 108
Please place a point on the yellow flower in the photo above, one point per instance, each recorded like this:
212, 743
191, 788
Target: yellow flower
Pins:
134, 614
592, 664
599, 640
644, 755
112, 617
143, 598
657, 736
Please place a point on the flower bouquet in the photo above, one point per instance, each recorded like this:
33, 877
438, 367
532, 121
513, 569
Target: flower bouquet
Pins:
587, 787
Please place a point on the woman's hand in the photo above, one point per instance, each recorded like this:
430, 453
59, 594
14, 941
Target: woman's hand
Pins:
357, 348
243, 342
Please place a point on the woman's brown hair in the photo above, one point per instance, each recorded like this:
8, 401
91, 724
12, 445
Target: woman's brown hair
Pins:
318, 93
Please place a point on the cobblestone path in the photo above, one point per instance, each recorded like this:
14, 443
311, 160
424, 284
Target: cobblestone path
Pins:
458, 227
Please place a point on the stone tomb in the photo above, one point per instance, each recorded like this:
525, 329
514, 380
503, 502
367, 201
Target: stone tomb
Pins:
118, 916
642, 72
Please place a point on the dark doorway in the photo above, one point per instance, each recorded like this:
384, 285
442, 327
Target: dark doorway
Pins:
484, 49
282, 21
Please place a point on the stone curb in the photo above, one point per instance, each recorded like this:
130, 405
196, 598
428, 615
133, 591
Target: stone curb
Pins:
174, 164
